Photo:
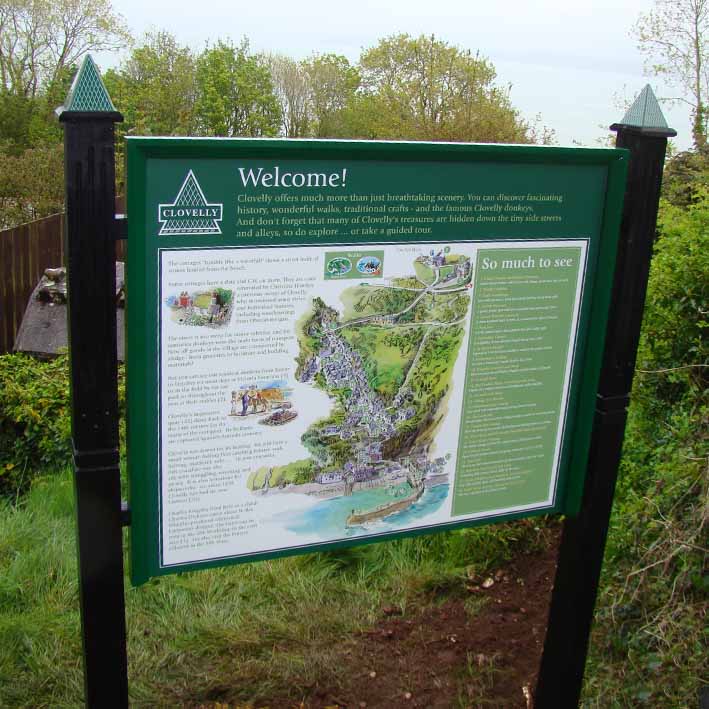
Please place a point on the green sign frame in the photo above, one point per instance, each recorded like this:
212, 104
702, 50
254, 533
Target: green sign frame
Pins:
183, 195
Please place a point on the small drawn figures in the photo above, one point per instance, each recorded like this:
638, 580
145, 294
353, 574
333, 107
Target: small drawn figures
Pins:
184, 300
215, 307
240, 399
259, 399
256, 400
267, 480
251, 394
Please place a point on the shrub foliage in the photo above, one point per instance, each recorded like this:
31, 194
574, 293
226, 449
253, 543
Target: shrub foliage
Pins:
34, 419
649, 641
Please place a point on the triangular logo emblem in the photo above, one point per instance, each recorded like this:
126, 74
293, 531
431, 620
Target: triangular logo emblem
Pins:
190, 213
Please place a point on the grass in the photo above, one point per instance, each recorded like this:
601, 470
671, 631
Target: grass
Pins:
477, 680
237, 634
39, 625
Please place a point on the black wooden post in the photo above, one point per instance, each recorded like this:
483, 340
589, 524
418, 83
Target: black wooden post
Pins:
644, 132
88, 117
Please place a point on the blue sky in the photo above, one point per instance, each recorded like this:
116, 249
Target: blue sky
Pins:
572, 63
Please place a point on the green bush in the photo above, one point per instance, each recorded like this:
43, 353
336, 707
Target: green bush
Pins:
34, 419
649, 640
673, 352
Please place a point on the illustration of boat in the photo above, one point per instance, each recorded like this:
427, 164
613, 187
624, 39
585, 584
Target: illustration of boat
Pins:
280, 417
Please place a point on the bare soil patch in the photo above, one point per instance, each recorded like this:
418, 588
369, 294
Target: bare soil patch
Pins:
447, 656
480, 648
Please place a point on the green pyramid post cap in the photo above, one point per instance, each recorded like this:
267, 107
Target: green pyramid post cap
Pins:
645, 115
87, 93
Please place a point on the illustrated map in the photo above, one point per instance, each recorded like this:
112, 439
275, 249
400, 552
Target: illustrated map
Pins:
385, 357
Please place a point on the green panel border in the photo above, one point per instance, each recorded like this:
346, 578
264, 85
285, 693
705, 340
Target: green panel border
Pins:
141, 341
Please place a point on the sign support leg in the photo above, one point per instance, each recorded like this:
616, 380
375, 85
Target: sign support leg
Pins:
584, 536
90, 247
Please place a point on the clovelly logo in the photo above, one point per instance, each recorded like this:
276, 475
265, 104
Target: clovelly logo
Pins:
190, 213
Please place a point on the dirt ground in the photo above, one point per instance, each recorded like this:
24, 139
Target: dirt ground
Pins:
449, 656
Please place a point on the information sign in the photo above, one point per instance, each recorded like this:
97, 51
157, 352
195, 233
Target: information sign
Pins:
338, 342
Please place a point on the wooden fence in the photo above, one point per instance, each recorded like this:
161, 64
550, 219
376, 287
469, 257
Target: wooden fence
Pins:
25, 252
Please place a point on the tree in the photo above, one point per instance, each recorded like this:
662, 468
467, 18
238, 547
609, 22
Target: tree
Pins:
425, 89
15, 117
41, 38
292, 88
31, 184
235, 93
156, 87
333, 85
686, 178
674, 37
41, 44
31, 154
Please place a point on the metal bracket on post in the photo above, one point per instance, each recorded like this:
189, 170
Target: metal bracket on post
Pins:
125, 514
608, 405
121, 227
88, 117
644, 132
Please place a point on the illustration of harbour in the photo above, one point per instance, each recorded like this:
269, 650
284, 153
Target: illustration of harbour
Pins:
329, 518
